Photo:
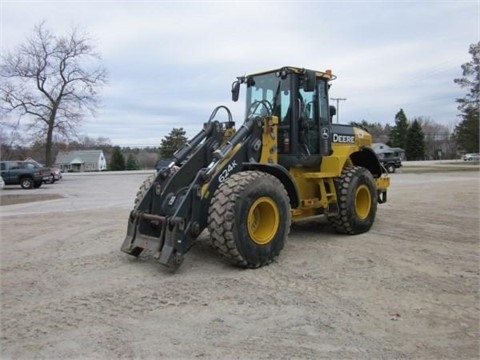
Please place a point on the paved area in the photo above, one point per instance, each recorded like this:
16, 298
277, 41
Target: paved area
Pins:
77, 192
408, 289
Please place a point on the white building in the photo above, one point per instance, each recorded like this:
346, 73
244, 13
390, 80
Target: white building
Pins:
82, 160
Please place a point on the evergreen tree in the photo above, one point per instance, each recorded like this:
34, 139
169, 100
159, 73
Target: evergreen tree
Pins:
172, 143
117, 163
398, 134
467, 131
415, 143
132, 163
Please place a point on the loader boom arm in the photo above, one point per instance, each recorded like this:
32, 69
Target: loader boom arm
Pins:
173, 211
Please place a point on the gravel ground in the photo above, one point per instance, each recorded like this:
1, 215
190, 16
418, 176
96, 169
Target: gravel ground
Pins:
407, 289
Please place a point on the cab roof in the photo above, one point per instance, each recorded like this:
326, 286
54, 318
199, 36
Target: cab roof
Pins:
327, 74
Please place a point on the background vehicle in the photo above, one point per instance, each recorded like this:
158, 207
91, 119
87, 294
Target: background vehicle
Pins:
286, 162
390, 161
24, 173
471, 157
55, 173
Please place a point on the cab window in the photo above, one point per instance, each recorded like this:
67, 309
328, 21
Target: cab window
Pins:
322, 102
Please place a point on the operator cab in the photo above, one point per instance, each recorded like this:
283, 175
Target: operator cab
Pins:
299, 98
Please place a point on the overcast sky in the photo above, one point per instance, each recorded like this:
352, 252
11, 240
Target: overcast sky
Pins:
171, 63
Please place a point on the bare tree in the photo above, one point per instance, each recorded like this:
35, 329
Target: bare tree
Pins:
438, 138
380, 133
51, 82
147, 158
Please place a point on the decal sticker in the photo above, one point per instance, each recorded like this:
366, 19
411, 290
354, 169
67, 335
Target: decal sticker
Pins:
325, 133
226, 172
347, 139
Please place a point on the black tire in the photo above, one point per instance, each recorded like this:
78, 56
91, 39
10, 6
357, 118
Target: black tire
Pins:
51, 180
357, 201
142, 190
26, 183
249, 218
391, 168
37, 184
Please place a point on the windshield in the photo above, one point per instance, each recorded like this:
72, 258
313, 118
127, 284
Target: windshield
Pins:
301, 114
268, 91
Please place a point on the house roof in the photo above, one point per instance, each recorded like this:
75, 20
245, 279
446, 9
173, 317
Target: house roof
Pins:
76, 161
79, 157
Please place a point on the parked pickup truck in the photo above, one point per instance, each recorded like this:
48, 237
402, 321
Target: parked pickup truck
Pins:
390, 161
27, 174
55, 173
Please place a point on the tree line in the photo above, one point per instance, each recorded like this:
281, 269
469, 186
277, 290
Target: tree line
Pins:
118, 158
421, 138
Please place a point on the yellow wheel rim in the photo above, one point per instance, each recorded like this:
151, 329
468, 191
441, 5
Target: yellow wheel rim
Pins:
363, 201
263, 220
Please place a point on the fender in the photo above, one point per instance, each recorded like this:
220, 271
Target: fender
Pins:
281, 174
367, 158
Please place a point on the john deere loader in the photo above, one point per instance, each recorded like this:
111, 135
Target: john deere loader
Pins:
247, 183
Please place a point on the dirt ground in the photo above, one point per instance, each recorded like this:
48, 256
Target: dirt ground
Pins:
408, 289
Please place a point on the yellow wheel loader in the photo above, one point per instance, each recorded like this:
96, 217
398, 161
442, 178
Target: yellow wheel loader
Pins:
246, 184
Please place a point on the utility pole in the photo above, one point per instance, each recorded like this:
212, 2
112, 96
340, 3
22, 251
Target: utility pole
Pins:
338, 106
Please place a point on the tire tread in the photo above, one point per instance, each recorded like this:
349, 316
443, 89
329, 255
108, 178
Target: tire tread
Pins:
221, 216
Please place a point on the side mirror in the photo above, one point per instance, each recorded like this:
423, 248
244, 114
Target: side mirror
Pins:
235, 90
310, 81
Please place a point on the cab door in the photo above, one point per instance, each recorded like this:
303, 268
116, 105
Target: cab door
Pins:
314, 129
323, 111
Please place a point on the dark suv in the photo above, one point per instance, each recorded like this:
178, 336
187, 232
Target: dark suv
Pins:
24, 173
390, 161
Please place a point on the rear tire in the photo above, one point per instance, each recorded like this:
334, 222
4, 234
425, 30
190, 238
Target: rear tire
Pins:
357, 201
26, 183
391, 168
249, 218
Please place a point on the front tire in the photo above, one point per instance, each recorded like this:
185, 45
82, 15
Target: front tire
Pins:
249, 218
143, 189
357, 201
391, 168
